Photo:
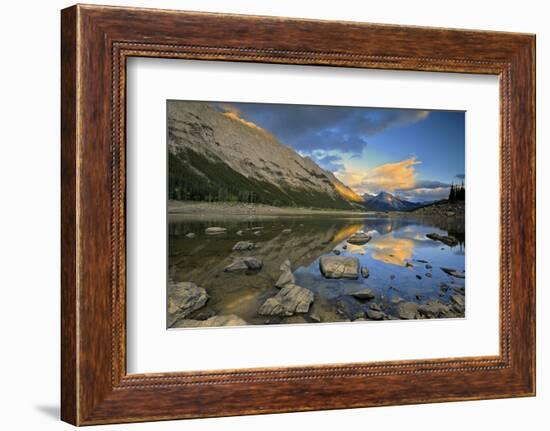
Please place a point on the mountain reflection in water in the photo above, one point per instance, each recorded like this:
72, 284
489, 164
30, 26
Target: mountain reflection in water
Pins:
395, 241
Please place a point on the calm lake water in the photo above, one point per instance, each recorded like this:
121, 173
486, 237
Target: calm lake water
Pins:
395, 241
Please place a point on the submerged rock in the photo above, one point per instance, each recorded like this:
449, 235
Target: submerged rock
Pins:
364, 294
244, 263
223, 320
365, 272
339, 267
407, 310
359, 238
286, 231
336, 251
375, 314
458, 302
290, 299
243, 245
445, 239
190, 235
239, 232
215, 230
184, 298
350, 308
453, 272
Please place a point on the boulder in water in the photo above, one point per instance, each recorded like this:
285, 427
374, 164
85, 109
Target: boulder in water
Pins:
184, 298
339, 267
291, 299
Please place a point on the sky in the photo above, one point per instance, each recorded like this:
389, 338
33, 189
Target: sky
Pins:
414, 154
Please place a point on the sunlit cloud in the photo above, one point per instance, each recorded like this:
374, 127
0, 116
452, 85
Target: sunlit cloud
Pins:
387, 177
234, 116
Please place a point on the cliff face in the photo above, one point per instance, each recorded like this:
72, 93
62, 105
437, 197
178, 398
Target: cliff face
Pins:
216, 155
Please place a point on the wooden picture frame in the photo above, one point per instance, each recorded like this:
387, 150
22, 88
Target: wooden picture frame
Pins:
96, 41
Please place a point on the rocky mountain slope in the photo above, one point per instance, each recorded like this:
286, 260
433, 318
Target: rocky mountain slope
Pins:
385, 201
218, 156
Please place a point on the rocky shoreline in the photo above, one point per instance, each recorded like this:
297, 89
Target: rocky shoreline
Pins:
292, 303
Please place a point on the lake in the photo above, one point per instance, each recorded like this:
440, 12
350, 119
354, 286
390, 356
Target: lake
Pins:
404, 265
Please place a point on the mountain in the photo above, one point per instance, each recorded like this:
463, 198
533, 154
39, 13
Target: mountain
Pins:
367, 196
385, 201
218, 156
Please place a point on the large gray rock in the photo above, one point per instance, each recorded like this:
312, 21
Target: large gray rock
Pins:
244, 263
289, 300
339, 267
407, 310
215, 230
223, 320
359, 238
184, 298
243, 245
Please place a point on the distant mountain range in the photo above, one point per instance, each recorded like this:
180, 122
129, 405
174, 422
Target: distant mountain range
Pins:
385, 201
218, 156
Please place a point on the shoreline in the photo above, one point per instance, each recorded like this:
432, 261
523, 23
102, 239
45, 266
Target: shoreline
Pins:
239, 208
198, 208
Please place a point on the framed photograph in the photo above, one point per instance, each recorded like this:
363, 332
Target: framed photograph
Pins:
266, 215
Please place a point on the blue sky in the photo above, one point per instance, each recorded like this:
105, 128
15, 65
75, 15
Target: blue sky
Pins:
416, 154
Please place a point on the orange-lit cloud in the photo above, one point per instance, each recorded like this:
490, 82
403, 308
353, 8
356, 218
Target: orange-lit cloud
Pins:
387, 177
235, 116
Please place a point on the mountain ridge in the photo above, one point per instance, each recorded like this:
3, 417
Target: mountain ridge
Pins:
385, 201
217, 156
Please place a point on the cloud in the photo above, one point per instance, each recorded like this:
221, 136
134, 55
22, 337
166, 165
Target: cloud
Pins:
330, 162
426, 184
308, 128
421, 194
233, 113
387, 177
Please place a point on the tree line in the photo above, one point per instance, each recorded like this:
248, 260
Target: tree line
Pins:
457, 193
